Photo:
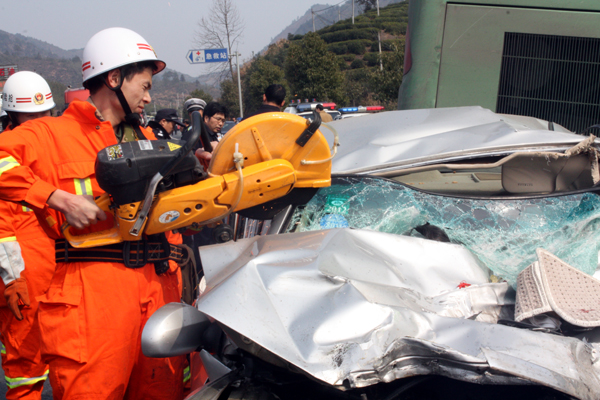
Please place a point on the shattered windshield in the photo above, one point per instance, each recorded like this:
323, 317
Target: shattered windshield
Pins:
503, 233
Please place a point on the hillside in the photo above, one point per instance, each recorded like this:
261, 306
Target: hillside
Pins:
62, 68
327, 17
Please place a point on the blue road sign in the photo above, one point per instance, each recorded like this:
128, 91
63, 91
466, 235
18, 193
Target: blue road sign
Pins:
207, 56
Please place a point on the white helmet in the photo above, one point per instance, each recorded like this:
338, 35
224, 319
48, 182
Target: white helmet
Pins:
27, 92
113, 48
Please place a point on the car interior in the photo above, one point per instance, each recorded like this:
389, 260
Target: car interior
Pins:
515, 174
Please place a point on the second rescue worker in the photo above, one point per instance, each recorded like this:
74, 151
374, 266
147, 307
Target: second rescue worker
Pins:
92, 316
26, 256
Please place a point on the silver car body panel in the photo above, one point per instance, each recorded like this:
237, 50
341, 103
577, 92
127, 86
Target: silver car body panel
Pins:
401, 139
354, 307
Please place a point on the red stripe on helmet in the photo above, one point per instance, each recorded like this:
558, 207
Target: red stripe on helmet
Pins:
144, 46
48, 96
23, 98
86, 67
23, 101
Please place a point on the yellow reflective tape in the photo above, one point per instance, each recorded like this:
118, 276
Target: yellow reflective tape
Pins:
8, 163
186, 374
16, 382
8, 239
3, 350
26, 209
83, 186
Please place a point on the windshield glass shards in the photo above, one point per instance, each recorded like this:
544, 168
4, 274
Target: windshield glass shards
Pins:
503, 233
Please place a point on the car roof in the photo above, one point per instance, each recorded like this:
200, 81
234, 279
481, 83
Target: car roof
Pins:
402, 139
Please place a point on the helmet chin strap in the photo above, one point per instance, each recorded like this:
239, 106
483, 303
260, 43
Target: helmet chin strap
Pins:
13, 119
131, 118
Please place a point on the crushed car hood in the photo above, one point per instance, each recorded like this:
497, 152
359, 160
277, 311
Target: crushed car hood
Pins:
354, 307
394, 139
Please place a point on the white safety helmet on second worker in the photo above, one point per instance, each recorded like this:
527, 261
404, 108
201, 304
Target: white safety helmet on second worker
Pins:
27, 92
113, 48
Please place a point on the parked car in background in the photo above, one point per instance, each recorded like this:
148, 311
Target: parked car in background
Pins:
227, 126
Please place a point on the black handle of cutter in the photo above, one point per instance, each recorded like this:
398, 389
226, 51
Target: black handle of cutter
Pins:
187, 147
310, 131
204, 137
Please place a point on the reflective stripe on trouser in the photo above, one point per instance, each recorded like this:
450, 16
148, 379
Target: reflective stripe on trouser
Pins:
186, 374
73, 317
16, 382
83, 186
8, 163
3, 350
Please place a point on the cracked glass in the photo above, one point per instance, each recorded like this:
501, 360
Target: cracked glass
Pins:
502, 233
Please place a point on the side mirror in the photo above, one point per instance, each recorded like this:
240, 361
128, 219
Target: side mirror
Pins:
174, 329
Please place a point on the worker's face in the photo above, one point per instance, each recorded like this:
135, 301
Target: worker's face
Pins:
137, 90
215, 123
23, 117
168, 126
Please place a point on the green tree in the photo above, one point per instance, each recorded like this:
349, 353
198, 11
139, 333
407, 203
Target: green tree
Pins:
230, 97
312, 71
386, 83
356, 87
257, 78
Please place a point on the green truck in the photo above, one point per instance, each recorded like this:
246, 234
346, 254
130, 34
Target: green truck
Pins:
539, 58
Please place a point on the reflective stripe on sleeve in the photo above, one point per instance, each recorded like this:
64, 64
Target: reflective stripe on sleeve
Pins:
8, 163
16, 382
186, 374
8, 239
2, 349
83, 186
26, 209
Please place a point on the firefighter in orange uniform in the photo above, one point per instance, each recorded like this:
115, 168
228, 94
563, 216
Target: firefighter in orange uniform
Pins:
26, 256
92, 316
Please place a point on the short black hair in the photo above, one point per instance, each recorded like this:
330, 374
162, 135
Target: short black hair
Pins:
213, 108
275, 94
128, 71
319, 107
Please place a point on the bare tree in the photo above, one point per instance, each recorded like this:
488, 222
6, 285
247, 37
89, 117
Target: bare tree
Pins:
367, 4
222, 28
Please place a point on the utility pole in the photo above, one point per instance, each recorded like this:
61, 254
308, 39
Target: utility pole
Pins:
352, 12
313, 18
237, 63
379, 40
380, 60
339, 14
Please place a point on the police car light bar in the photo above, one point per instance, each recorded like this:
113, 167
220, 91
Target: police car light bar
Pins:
311, 106
346, 110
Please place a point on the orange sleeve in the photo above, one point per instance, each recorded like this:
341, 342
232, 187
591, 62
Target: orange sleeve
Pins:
19, 150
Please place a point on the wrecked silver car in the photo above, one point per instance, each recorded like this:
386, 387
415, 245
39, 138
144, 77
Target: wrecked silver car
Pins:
463, 275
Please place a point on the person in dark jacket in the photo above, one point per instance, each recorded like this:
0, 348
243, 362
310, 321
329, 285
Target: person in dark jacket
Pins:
164, 123
273, 100
215, 115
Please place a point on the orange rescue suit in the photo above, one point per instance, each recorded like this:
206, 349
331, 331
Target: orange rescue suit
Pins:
21, 358
93, 313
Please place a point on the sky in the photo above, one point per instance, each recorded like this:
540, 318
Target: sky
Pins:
169, 26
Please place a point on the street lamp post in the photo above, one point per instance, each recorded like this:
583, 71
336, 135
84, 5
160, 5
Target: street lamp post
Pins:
237, 64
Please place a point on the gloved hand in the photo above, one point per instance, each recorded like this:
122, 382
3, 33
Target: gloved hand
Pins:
15, 291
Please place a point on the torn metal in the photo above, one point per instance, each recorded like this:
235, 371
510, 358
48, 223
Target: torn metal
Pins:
356, 307
411, 138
